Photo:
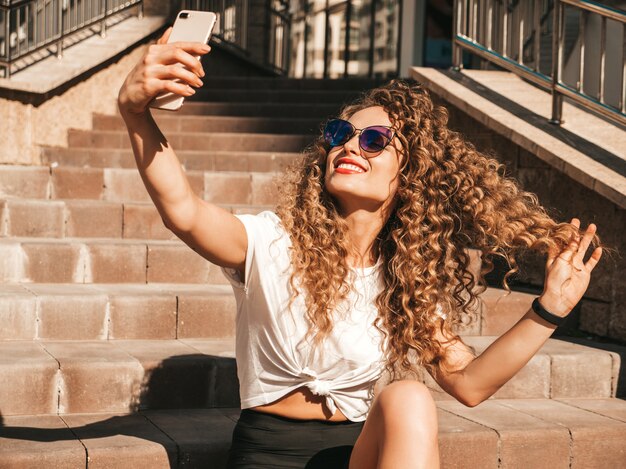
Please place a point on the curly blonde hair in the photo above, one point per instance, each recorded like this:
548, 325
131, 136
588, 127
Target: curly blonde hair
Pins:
450, 198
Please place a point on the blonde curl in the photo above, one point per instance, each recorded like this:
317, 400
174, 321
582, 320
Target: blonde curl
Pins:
450, 198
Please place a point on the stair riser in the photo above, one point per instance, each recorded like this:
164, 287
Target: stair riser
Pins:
205, 124
518, 434
120, 377
89, 219
126, 185
74, 262
232, 83
105, 377
196, 141
67, 312
201, 161
309, 111
99, 313
275, 96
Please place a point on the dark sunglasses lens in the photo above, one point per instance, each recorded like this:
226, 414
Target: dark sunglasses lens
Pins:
374, 139
337, 132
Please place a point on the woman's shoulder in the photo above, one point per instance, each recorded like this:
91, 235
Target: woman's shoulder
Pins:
265, 224
264, 218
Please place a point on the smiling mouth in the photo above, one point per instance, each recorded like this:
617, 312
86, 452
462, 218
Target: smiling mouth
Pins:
347, 168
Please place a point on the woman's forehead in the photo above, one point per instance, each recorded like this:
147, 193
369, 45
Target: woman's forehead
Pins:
375, 115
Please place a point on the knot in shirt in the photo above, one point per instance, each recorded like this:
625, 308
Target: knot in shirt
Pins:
316, 385
319, 387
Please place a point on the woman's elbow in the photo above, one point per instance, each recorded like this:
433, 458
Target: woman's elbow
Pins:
469, 399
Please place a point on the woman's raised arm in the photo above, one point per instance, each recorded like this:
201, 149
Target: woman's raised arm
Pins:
567, 279
211, 231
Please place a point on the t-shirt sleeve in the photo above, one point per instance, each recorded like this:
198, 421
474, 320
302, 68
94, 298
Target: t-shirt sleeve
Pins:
261, 230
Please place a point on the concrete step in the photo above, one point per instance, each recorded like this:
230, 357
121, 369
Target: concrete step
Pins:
203, 160
559, 369
235, 95
195, 141
126, 375
281, 110
36, 311
126, 185
67, 218
98, 260
76, 377
104, 311
105, 260
253, 83
521, 433
183, 123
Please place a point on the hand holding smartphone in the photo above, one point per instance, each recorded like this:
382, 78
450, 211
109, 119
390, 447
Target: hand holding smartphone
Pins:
190, 26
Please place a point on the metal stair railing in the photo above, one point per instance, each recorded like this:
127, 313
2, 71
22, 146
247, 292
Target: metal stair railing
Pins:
368, 32
32, 28
234, 26
495, 32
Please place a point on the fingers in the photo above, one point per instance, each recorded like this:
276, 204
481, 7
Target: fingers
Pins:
156, 86
194, 48
593, 260
575, 251
585, 242
173, 53
169, 72
572, 248
166, 35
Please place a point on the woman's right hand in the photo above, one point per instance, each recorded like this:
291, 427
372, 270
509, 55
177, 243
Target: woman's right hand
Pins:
157, 71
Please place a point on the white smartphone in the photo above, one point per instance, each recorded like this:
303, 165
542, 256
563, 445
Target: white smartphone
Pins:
190, 26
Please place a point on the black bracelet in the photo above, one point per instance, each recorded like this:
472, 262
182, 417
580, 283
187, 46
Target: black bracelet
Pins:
545, 314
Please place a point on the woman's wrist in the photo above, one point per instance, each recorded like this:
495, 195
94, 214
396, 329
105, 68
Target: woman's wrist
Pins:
555, 305
129, 116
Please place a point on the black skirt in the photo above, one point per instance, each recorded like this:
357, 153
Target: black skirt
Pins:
262, 440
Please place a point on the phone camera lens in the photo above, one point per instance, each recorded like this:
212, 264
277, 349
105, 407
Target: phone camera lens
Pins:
183, 15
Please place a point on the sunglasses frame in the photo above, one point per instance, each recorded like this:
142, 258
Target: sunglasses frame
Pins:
355, 130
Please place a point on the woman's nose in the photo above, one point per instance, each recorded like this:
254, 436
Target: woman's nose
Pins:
352, 145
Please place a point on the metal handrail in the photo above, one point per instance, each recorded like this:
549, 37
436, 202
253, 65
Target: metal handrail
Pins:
28, 28
234, 26
306, 12
473, 23
232, 19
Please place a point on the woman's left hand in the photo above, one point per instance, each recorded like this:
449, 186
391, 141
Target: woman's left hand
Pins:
567, 276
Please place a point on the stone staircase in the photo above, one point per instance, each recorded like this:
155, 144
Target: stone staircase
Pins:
117, 340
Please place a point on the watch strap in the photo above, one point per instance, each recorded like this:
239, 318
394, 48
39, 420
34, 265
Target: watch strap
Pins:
547, 315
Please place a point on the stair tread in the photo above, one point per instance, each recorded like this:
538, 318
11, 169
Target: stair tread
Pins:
184, 133
551, 347
492, 432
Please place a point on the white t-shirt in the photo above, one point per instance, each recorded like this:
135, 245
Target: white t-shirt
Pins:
270, 363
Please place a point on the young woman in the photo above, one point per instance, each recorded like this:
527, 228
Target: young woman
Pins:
362, 269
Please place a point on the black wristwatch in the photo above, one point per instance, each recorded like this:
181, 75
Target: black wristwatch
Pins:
547, 315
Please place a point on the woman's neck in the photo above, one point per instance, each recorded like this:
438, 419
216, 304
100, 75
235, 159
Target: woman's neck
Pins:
363, 229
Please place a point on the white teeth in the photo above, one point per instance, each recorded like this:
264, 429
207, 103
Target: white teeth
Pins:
351, 167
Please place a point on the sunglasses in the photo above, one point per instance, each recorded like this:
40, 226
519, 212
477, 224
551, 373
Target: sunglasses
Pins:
372, 139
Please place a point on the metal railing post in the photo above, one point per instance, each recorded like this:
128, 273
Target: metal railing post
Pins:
557, 52
370, 55
580, 86
602, 65
7, 44
622, 105
505, 27
536, 33
346, 52
457, 53
326, 39
60, 26
103, 23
